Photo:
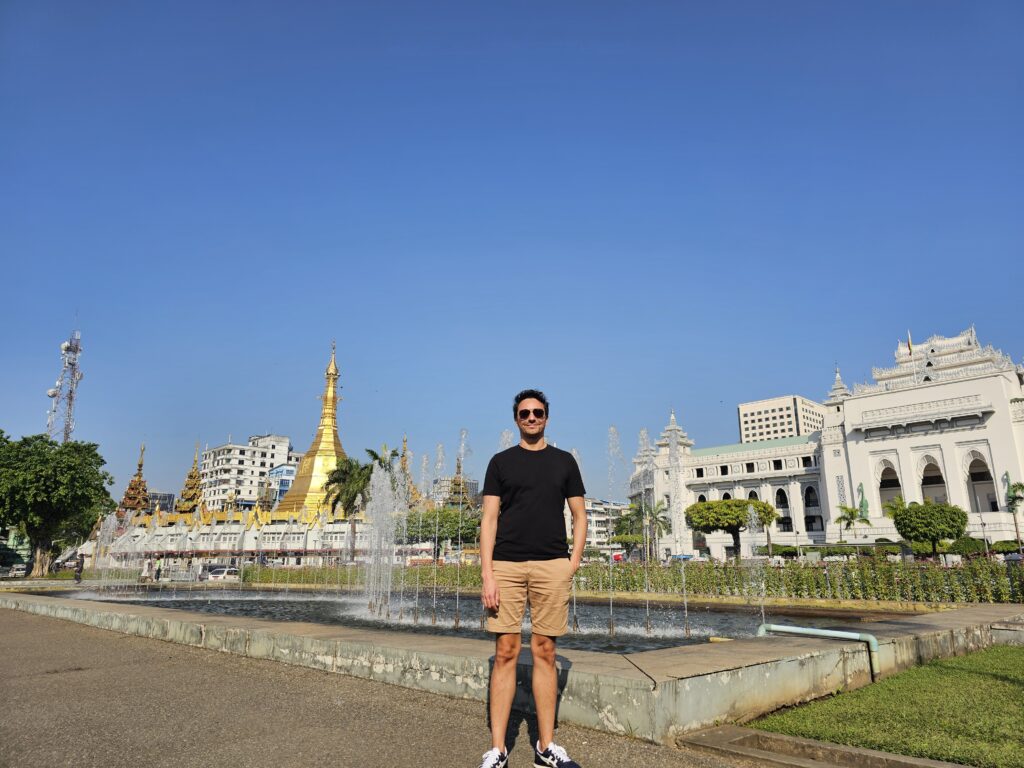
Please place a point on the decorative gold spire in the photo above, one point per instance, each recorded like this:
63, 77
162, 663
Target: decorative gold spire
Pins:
403, 464
191, 492
306, 497
136, 495
458, 495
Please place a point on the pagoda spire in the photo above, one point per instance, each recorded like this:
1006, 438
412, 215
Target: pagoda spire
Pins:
307, 497
403, 465
136, 495
191, 492
458, 495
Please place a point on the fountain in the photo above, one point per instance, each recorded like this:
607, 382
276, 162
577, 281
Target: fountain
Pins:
614, 458
380, 515
757, 564
438, 473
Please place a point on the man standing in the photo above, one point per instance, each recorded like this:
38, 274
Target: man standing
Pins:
524, 558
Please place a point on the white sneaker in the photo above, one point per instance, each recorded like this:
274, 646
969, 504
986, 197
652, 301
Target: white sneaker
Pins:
495, 758
552, 757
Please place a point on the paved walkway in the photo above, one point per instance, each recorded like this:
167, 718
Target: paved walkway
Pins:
75, 695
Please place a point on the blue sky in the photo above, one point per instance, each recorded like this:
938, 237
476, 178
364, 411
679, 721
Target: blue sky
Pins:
632, 206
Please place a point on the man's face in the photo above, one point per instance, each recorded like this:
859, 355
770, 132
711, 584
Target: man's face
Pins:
530, 423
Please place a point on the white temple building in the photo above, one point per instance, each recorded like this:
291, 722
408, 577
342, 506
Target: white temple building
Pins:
946, 422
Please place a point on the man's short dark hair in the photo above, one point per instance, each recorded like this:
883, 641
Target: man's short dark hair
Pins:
528, 394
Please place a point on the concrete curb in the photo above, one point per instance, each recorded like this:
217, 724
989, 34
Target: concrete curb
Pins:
776, 749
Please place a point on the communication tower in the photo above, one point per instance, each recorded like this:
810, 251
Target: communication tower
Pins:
62, 394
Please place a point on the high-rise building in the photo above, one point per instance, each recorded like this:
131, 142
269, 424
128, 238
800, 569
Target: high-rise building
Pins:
601, 518
778, 417
241, 469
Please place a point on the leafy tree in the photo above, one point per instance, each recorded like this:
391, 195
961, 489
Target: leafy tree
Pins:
346, 483
637, 520
51, 491
849, 517
658, 524
729, 515
929, 522
446, 523
1014, 496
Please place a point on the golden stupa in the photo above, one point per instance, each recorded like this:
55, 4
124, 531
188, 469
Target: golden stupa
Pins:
306, 498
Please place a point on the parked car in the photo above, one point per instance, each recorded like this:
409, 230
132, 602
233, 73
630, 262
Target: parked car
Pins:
18, 569
223, 574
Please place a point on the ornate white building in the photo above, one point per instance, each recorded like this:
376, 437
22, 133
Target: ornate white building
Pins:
946, 422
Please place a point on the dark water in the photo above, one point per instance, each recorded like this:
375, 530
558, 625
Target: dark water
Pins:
631, 635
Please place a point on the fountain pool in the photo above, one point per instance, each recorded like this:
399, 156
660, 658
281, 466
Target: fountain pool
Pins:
351, 609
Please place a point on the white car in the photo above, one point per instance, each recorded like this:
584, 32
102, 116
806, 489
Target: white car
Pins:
18, 569
224, 574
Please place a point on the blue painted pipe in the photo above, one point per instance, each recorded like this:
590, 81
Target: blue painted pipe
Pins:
863, 637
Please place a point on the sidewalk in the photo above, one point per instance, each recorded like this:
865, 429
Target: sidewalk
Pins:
75, 695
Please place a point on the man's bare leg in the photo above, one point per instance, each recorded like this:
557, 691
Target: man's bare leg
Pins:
545, 686
503, 685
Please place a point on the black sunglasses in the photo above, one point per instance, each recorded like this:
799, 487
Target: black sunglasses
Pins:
538, 413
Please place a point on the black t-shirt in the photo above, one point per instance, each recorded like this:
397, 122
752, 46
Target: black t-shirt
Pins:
533, 486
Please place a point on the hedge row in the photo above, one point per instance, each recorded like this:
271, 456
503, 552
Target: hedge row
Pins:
985, 581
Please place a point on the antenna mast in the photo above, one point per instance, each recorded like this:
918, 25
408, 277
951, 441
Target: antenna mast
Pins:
63, 392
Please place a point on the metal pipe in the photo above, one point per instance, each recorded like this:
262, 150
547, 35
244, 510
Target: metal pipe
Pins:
863, 637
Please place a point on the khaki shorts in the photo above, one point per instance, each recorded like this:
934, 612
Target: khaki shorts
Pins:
544, 584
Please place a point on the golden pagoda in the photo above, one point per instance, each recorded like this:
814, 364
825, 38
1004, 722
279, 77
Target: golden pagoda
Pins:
135, 501
459, 496
307, 498
403, 463
187, 508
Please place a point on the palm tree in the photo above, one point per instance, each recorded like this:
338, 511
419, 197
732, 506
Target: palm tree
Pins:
637, 521
347, 483
659, 523
385, 458
848, 517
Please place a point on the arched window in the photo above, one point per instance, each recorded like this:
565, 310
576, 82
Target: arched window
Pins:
810, 497
702, 497
752, 495
889, 486
933, 484
781, 500
982, 490
726, 496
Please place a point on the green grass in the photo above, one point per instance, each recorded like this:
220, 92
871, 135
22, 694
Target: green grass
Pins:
967, 710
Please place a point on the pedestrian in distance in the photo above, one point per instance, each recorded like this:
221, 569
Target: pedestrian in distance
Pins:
524, 560
79, 567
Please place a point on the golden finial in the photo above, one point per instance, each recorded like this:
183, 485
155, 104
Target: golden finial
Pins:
142, 454
332, 367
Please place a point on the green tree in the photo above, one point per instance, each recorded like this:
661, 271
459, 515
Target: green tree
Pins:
384, 458
51, 491
929, 522
447, 524
1014, 496
729, 515
347, 483
848, 517
629, 530
658, 524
